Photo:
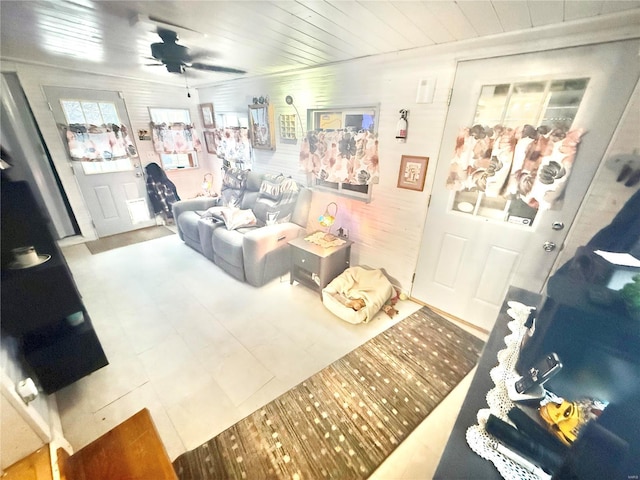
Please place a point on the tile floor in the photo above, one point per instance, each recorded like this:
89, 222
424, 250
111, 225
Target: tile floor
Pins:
202, 350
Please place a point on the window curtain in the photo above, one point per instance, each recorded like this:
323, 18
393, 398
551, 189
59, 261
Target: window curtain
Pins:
233, 147
175, 138
527, 163
341, 156
90, 143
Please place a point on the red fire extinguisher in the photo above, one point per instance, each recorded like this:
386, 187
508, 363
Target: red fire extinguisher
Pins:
401, 127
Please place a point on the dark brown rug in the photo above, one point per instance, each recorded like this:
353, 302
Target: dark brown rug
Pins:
128, 238
345, 420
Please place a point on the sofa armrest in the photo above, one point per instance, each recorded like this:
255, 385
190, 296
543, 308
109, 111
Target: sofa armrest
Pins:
191, 205
258, 244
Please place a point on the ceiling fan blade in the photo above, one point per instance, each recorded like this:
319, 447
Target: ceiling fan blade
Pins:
215, 68
196, 54
171, 24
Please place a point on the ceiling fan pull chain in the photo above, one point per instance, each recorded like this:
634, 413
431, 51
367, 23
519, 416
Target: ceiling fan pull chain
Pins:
186, 82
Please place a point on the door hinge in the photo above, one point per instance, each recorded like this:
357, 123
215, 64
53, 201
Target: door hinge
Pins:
449, 97
50, 107
429, 201
413, 277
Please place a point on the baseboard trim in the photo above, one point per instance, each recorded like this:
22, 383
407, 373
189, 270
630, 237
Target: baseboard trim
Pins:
451, 317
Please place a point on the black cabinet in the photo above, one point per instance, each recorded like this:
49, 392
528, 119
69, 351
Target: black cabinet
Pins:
64, 354
588, 326
37, 302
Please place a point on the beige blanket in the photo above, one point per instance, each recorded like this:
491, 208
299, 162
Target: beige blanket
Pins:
357, 283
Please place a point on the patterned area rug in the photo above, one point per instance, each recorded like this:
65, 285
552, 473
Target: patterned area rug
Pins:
345, 420
128, 238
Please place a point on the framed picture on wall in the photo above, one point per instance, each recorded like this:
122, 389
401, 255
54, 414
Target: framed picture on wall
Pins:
208, 116
210, 141
413, 171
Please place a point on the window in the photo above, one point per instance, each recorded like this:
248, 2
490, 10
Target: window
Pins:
357, 126
350, 119
174, 138
96, 137
89, 113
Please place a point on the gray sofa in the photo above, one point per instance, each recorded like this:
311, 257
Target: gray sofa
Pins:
254, 253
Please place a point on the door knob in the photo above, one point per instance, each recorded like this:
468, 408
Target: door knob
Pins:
549, 246
557, 225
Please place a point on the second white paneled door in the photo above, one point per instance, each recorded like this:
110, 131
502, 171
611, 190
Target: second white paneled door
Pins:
469, 253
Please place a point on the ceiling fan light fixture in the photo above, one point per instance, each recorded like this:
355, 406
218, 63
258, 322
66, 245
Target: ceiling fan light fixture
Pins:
174, 67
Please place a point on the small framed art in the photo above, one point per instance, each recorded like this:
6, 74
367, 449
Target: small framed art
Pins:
208, 118
413, 171
210, 141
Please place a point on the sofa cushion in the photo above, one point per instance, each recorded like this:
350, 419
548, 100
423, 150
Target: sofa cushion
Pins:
235, 178
227, 244
234, 184
276, 198
235, 218
254, 180
188, 222
270, 190
248, 199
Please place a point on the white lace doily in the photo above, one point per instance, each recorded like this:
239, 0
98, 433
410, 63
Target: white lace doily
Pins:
498, 399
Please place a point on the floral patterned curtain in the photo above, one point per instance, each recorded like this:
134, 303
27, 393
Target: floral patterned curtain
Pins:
91, 143
233, 147
341, 156
529, 163
175, 138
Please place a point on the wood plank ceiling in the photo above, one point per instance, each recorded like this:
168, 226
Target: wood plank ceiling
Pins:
260, 37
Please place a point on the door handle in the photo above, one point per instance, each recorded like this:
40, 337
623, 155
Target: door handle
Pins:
549, 246
138, 174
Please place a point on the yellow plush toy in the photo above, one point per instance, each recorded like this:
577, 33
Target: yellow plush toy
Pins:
563, 419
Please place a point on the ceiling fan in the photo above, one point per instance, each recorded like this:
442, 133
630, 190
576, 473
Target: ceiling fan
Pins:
176, 58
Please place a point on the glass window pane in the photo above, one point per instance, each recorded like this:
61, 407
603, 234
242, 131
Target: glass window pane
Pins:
491, 104
109, 113
73, 111
563, 101
170, 115
328, 120
525, 103
92, 113
465, 201
493, 207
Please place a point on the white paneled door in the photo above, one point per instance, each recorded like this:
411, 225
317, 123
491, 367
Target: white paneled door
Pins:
96, 127
471, 249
